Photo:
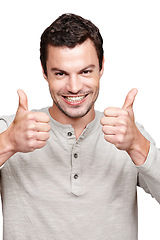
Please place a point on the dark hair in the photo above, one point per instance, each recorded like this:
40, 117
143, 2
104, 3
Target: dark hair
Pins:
69, 30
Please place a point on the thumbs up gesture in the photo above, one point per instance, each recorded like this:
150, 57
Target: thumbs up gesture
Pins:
29, 130
119, 128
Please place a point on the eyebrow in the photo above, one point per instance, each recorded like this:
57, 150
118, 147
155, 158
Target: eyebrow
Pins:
62, 71
90, 66
58, 70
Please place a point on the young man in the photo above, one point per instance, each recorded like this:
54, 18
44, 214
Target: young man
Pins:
69, 171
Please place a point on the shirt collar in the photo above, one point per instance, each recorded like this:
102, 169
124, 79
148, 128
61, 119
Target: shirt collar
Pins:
92, 126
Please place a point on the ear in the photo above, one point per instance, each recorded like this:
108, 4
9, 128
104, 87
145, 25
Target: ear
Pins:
44, 75
102, 70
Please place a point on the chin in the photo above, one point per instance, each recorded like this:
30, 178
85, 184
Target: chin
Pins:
77, 113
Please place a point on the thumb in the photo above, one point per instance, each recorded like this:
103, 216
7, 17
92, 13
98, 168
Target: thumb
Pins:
130, 98
23, 101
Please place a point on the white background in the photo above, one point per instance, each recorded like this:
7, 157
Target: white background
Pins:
131, 32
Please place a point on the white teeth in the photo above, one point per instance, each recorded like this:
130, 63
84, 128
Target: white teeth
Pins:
75, 99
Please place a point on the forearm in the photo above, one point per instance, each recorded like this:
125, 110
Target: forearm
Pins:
140, 149
149, 172
6, 149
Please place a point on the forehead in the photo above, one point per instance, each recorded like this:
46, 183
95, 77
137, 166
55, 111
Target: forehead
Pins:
79, 56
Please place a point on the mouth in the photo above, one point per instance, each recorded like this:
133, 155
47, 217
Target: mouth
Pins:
75, 100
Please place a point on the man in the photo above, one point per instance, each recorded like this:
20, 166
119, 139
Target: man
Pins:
69, 171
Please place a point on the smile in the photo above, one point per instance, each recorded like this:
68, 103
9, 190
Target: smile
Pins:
75, 100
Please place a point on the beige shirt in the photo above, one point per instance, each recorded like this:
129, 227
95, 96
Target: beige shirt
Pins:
83, 189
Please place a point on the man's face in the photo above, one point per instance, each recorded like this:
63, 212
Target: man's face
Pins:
73, 75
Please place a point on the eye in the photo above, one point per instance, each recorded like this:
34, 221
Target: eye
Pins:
87, 72
59, 74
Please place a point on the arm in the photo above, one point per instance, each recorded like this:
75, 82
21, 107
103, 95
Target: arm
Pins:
119, 128
28, 131
149, 172
6, 150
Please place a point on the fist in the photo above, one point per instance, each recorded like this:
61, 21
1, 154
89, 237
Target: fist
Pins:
29, 130
119, 127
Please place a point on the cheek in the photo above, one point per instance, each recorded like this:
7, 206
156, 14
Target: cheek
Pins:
55, 86
95, 82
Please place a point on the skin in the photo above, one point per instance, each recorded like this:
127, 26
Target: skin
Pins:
119, 128
28, 131
73, 77
75, 73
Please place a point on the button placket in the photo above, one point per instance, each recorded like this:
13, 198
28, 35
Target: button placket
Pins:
76, 174
70, 137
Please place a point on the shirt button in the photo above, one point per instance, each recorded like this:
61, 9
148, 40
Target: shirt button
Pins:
69, 134
75, 155
75, 176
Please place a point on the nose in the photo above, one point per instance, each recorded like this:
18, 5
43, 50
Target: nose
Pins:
74, 84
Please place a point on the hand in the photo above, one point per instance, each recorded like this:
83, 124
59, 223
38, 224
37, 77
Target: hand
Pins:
29, 130
119, 128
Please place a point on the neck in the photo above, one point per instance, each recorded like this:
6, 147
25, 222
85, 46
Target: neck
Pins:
78, 124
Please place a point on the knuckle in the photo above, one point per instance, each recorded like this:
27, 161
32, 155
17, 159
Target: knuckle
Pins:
107, 129
124, 113
104, 129
105, 137
49, 127
43, 136
120, 139
31, 144
30, 135
30, 116
46, 117
102, 121
32, 126
123, 122
47, 136
41, 144
118, 145
32, 149
122, 130
107, 110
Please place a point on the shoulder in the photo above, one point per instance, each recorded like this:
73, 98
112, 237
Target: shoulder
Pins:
45, 109
98, 116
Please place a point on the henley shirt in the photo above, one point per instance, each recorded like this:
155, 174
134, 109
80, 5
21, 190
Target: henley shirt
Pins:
83, 189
